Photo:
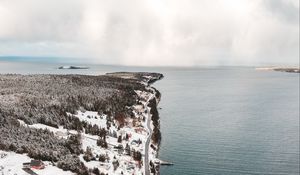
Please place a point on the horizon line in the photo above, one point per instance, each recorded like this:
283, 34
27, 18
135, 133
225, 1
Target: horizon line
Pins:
79, 60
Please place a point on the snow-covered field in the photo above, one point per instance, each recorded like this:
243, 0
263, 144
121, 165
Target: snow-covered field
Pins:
12, 163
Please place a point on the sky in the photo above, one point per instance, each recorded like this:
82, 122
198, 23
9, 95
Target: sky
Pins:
153, 32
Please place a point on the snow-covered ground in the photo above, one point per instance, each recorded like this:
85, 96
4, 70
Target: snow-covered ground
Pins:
12, 163
59, 132
92, 118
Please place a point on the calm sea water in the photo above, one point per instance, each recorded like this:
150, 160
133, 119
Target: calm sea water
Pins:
222, 120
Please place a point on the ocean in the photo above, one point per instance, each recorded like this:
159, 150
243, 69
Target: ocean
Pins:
216, 120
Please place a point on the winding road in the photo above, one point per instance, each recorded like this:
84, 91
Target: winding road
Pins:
146, 161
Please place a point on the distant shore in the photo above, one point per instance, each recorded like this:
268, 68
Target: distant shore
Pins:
281, 69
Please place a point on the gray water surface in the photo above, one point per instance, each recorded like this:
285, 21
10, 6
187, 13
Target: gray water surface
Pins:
222, 120
230, 121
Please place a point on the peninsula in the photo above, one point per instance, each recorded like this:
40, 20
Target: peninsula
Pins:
79, 124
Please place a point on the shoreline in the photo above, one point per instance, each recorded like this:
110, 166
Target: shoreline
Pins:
152, 164
155, 166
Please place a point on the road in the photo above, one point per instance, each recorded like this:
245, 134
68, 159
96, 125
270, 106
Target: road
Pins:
146, 162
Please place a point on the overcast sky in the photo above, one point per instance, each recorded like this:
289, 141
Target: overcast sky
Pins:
153, 32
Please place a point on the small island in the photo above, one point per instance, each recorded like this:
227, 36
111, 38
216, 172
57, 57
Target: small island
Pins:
73, 67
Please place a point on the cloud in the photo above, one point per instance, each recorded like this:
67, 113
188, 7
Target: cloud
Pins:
153, 32
286, 10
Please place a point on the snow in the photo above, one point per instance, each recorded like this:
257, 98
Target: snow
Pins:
12, 163
59, 132
51, 170
91, 117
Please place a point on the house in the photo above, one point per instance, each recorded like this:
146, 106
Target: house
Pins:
120, 146
153, 147
130, 167
34, 164
136, 142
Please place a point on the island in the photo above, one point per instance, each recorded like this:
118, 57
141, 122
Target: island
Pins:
80, 124
73, 67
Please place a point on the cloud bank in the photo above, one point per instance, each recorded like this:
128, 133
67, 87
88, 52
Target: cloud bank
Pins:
153, 32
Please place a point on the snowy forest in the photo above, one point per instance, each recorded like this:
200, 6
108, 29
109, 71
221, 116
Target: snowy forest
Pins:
47, 99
